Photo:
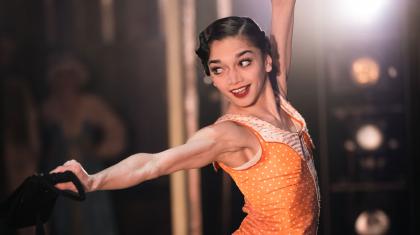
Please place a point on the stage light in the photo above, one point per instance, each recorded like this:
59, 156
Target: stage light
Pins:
362, 11
369, 137
372, 223
368, 163
350, 146
392, 72
365, 71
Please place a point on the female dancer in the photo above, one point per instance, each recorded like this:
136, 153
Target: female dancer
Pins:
261, 141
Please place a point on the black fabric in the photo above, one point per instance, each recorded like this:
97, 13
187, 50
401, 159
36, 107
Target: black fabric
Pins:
33, 201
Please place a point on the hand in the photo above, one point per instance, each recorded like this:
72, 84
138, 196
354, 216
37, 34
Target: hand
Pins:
81, 174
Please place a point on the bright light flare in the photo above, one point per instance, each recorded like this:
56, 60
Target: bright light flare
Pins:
369, 137
372, 223
365, 71
362, 11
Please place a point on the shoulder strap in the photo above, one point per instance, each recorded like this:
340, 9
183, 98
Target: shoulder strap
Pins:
292, 112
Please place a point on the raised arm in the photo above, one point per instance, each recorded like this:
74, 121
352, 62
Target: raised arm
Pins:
206, 146
281, 37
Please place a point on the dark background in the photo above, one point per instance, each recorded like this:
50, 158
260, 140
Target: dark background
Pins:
129, 74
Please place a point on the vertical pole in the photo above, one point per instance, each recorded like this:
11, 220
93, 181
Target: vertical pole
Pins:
224, 9
323, 127
191, 112
107, 21
174, 72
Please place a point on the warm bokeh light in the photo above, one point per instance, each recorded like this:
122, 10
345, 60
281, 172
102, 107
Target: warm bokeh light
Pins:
369, 137
361, 11
372, 223
349, 145
392, 72
365, 71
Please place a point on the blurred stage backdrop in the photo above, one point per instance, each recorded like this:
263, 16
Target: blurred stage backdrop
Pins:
100, 80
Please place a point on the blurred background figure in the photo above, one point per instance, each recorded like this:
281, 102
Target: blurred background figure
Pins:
355, 77
79, 125
19, 122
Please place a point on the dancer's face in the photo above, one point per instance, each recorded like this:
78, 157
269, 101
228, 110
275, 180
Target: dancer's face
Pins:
65, 82
238, 69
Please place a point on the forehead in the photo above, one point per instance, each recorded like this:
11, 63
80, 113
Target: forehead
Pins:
230, 47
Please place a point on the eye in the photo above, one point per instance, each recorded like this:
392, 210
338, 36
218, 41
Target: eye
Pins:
245, 62
216, 70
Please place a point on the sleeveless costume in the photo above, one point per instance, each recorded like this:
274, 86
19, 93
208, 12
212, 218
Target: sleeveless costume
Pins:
279, 184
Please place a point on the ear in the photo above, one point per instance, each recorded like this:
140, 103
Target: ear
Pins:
208, 80
268, 63
212, 82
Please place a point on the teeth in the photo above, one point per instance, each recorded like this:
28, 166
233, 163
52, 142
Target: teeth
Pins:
239, 90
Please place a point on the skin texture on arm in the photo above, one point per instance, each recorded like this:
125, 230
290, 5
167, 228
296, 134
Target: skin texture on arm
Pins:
206, 146
282, 18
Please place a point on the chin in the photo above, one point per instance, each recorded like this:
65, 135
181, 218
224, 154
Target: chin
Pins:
245, 103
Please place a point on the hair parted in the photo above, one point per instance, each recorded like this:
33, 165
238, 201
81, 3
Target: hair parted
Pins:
229, 27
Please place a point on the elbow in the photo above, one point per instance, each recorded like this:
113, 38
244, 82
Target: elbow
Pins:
154, 171
145, 169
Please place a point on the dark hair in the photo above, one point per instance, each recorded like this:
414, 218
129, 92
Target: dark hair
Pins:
228, 27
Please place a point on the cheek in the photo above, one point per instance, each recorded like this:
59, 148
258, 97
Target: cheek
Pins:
256, 74
217, 83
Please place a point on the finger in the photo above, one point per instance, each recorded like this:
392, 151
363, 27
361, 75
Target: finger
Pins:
59, 169
66, 186
73, 165
70, 162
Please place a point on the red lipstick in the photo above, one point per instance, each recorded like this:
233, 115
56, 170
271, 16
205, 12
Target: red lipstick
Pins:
241, 92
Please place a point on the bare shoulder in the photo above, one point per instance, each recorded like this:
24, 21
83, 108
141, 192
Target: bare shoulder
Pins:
230, 135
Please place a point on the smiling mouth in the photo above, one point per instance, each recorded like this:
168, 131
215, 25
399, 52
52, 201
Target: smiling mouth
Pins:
241, 91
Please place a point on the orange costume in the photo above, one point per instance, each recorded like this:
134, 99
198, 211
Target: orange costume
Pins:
279, 183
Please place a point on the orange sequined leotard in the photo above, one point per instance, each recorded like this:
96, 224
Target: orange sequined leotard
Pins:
280, 184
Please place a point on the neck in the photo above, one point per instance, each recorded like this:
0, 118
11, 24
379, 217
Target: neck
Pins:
67, 98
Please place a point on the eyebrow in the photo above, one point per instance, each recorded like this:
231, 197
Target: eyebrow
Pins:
237, 56
244, 52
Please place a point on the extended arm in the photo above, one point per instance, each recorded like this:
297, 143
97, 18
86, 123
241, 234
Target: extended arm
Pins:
201, 149
281, 36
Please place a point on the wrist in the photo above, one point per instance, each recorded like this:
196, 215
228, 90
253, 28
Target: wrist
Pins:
93, 183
